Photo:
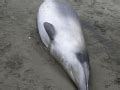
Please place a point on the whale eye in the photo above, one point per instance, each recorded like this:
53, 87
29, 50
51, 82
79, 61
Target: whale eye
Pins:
82, 57
50, 30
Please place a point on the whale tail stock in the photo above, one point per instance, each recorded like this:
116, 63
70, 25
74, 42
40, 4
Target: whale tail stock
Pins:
77, 74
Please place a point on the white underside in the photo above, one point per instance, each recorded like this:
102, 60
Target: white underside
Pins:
68, 39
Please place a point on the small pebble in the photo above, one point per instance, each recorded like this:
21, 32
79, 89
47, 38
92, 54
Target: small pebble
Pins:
29, 37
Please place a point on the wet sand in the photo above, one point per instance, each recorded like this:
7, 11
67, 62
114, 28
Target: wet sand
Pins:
25, 63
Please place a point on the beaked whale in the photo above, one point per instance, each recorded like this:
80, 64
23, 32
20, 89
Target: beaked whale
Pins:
60, 31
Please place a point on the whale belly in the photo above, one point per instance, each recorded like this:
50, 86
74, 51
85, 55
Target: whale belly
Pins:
62, 17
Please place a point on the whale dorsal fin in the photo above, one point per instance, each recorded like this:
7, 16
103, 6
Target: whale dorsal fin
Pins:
50, 30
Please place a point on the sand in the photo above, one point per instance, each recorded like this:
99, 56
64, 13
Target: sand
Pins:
25, 63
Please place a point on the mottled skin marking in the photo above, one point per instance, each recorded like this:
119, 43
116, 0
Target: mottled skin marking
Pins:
83, 57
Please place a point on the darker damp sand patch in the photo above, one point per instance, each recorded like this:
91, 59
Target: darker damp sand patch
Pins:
14, 62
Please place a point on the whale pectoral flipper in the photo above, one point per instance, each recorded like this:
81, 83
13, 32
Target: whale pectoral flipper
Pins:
50, 30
